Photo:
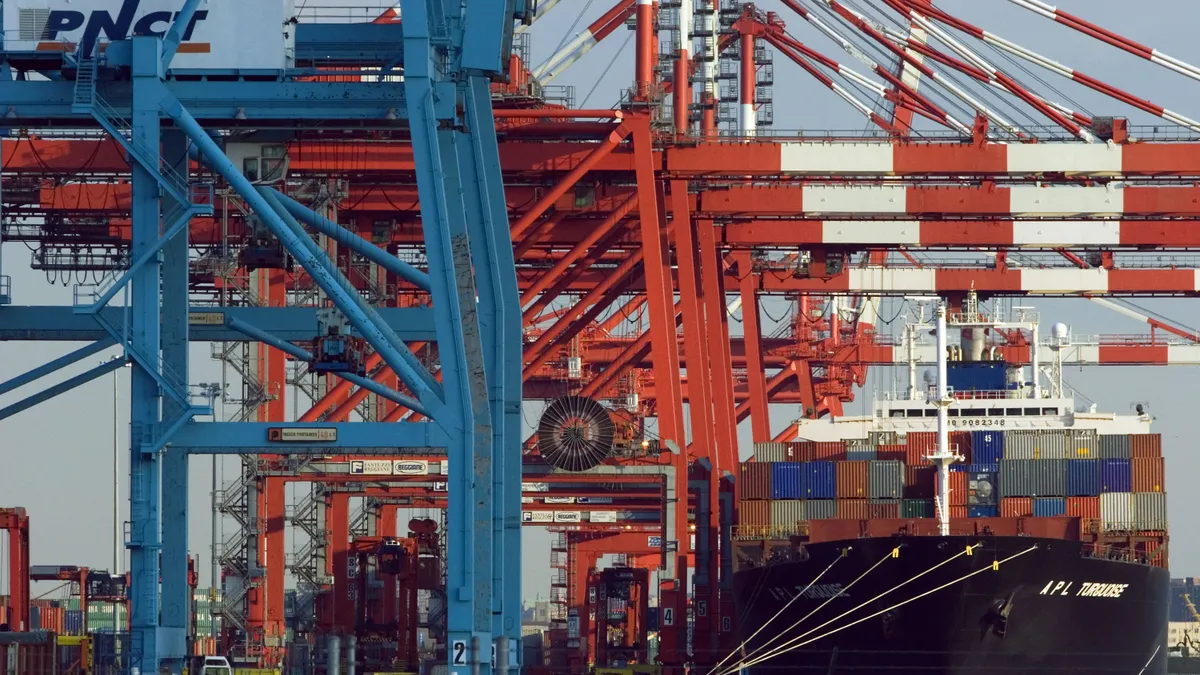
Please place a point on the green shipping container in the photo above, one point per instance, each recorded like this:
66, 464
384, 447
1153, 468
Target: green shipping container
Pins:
916, 508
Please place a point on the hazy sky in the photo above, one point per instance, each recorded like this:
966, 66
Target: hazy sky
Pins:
57, 458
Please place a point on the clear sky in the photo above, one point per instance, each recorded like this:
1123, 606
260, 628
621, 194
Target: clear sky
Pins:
57, 458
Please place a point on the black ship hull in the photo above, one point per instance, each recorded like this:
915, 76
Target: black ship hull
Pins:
1046, 607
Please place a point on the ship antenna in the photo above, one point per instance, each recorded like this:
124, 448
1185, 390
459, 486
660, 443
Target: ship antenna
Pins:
944, 456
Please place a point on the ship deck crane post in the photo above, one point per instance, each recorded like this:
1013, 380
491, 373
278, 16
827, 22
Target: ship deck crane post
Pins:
125, 91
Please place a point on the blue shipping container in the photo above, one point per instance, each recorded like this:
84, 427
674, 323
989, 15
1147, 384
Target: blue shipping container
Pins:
1116, 475
73, 622
987, 447
35, 618
787, 480
983, 511
1049, 507
861, 454
1083, 477
820, 480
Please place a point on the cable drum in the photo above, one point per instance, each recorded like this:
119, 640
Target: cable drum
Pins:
575, 433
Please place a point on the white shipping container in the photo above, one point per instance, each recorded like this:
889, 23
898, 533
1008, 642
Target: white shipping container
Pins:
1150, 508
785, 513
1118, 511
224, 33
771, 452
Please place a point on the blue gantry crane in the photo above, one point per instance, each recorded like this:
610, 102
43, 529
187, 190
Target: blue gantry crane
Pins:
116, 67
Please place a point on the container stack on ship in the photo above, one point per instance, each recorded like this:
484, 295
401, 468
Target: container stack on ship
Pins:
1051, 556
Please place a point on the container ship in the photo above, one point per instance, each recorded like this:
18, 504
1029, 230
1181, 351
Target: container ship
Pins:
974, 523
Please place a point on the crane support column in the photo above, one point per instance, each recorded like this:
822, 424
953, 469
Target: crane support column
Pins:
145, 339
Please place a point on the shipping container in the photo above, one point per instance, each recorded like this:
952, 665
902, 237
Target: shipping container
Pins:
1049, 477
1150, 509
916, 508
853, 509
1019, 445
919, 482
885, 508
982, 488
1116, 475
958, 512
1148, 474
885, 479
853, 480
821, 509
958, 488
1115, 447
771, 452
1118, 511
919, 445
801, 451
820, 480
834, 451
1049, 507
754, 518
1083, 507
961, 441
987, 447
1015, 480
892, 453
878, 438
1082, 444
787, 480
755, 480
981, 511
863, 453
1145, 445
860, 450
1016, 507
1083, 477
785, 513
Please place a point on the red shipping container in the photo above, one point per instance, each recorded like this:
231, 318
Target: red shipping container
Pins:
852, 480
755, 480
957, 512
961, 441
916, 452
958, 488
1149, 474
1083, 507
1016, 507
853, 509
801, 451
919, 482
1144, 446
892, 453
885, 508
754, 518
829, 452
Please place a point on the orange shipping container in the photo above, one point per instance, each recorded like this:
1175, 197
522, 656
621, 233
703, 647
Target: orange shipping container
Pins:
754, 518
957, 512
1149, 474
920, 444
1083, 507
961, 441
755, 480
834, 451
919, 482
892, 453
853, 509
958, 488
801, 451
1145, 445
852, 480
1016, 507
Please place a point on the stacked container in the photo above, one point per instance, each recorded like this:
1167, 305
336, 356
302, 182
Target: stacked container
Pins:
1116, 479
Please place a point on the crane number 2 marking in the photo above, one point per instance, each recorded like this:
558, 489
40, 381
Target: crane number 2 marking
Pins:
459, 650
